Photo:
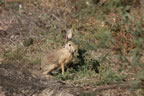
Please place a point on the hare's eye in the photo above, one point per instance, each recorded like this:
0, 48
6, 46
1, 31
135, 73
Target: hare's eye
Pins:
69, 44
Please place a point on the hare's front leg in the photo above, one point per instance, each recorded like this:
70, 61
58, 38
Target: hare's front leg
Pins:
62, 67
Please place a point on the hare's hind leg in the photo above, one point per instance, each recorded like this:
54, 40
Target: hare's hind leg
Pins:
49, 69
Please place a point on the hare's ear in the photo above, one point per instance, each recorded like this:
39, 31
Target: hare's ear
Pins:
69, 35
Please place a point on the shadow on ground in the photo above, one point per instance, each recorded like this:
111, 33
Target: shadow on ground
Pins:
82, 60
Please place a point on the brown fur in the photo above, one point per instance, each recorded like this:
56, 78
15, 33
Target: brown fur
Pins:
58, 58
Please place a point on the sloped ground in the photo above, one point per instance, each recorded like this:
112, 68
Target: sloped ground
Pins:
18, 81
102, 69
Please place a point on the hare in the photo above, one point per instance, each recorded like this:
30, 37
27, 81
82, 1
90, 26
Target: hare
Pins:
60, 57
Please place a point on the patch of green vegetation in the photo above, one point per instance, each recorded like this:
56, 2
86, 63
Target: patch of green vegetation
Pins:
1, 2
15, 54
22, 55
104, 37
108, 77
89, 94
28, 42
